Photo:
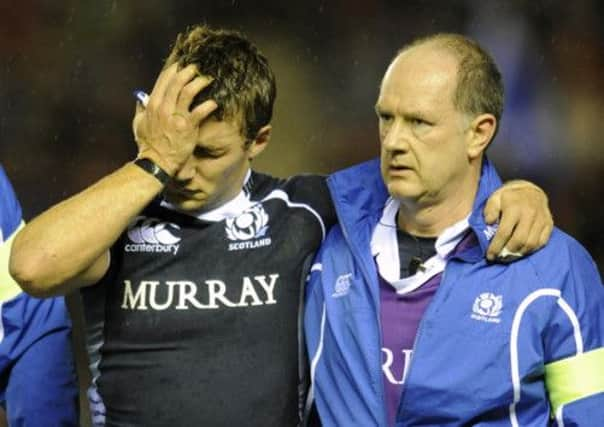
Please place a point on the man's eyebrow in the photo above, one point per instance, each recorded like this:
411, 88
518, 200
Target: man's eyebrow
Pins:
416, 113
379, 108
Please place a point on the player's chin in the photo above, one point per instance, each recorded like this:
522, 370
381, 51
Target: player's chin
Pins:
188, 203
193, 204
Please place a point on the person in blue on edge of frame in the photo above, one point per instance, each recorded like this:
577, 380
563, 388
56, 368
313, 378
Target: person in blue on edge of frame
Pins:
38, 385
407, 323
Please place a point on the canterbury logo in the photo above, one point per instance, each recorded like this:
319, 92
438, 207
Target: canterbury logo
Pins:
152, 235
342, 285
153, 231
252, 224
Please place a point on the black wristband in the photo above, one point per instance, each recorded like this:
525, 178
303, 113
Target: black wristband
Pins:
154, 169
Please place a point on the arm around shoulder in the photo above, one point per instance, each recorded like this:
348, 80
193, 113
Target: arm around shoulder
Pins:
525, 221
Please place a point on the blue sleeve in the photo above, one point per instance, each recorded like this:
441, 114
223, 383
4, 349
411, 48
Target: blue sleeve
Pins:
10, 209
313, 325
314, 311
574, 342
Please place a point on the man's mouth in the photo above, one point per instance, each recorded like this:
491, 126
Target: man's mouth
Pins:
182, 193
395, 169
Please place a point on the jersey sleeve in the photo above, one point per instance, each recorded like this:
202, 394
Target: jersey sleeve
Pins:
574, 342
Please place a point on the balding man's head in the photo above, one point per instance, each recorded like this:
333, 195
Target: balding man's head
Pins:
479, 86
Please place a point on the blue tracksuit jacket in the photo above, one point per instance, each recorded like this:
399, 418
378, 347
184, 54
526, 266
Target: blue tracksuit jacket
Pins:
38, 385
533, 356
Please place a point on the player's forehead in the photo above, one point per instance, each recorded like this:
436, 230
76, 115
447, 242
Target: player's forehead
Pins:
215, 133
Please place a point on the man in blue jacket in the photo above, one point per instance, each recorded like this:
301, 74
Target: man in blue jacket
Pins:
407, 323
38, 384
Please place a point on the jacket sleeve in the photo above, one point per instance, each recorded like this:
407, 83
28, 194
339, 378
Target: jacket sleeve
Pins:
314, 317
574, 344
314, 323
10, 209
10, 222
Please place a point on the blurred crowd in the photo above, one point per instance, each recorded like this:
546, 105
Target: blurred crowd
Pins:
68, 69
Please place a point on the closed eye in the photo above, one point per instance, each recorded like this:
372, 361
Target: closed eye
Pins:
204, 152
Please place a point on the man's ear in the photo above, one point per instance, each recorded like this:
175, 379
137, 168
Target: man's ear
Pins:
260, 142
481, 132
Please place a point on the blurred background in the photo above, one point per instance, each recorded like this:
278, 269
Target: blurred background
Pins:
68, 69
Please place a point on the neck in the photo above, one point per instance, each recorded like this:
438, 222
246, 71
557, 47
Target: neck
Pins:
430, 216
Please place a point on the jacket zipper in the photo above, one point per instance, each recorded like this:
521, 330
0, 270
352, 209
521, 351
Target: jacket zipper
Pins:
427, 313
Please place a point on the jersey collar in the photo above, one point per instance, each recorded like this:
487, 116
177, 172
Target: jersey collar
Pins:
384, 248
230, 209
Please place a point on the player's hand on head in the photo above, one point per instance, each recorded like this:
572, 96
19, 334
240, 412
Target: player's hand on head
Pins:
525, 221
166, 130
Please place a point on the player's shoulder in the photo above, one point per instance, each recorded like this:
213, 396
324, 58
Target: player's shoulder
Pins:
306, 192
261, 184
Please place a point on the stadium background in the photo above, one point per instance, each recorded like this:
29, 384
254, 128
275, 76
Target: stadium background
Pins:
67, 71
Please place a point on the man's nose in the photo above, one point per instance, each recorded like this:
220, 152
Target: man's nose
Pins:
396, 138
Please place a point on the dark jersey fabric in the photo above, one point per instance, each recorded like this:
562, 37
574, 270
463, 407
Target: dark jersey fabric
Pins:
196, 323
413, 251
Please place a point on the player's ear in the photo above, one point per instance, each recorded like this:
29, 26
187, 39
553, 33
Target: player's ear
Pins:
260, 142
481, 132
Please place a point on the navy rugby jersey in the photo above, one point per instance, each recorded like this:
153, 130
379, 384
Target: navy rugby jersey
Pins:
196, 321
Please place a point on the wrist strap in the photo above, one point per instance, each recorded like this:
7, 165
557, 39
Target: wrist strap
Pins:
154, 169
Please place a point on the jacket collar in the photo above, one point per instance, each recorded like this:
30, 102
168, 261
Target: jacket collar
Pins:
359, 194
489, 182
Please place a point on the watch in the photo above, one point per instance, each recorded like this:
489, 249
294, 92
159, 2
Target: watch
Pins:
154, 169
